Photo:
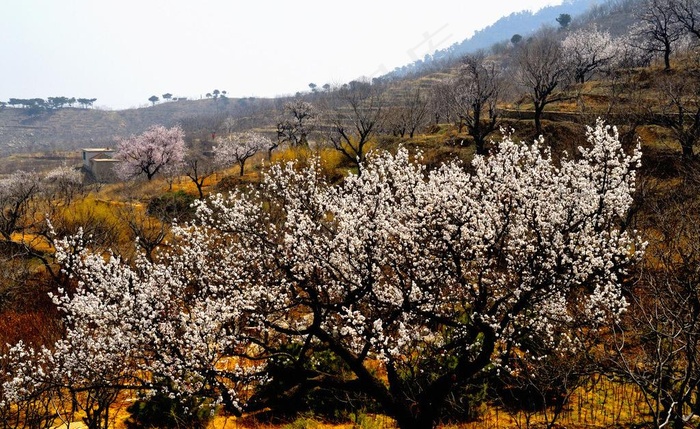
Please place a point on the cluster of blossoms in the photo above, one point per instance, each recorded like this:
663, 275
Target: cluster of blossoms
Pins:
237, 148
396, 263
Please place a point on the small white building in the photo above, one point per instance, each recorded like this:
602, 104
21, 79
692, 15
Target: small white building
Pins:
99, 163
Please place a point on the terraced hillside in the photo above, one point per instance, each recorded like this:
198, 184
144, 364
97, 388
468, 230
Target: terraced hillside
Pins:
73, 128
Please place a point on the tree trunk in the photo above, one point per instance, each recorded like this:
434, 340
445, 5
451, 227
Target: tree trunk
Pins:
199, 186
667, 57
480, 146
538, 120
687, 148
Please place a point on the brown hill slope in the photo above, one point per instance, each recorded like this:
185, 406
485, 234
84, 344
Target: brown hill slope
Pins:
72, 128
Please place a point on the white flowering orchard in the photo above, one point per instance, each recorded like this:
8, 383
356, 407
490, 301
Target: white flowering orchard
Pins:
395, 266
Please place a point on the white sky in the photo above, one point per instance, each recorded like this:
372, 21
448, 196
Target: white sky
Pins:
123, 51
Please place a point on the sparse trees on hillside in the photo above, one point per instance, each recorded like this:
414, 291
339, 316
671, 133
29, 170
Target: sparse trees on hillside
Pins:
417, 281
32, 106
150, 152
409, 116
153, 99
39, 104
237, 148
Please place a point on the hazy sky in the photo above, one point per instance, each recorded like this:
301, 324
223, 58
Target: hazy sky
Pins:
123, 51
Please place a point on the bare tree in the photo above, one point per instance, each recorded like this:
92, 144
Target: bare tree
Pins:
148, 231
441, 103
406, 116
544, 387
681, 113
298, 122
541, 69
199, 165
354, 118
657, 29
687, 12
476, 92
416, 112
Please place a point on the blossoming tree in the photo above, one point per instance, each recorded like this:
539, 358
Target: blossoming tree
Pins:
588, 50
398, 266
150, 152
237, 148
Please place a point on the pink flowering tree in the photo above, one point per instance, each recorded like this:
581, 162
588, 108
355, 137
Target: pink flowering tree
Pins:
433, 276
237, 148
151, 152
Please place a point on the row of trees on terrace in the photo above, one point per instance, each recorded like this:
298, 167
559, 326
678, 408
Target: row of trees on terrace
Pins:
52, 103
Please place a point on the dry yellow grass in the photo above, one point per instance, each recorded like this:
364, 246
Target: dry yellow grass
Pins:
600, 403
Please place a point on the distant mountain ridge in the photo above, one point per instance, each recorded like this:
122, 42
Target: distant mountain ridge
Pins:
523, 23
62, 129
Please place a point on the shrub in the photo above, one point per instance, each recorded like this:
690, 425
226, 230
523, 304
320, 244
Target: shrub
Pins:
330, 404
162, 411
171, 206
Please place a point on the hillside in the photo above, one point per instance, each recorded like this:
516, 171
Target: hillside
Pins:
72, 128
524, 23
